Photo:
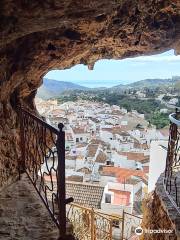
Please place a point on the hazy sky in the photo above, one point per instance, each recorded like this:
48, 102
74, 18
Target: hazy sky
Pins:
108, 73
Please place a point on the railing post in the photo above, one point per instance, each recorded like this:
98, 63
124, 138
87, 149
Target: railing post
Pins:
111, 229
21, 167
123, 216
61, 181
93, 227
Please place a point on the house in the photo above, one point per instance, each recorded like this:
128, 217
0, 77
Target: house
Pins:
117, 197
158, 153
80, 135
69, 141
122, 175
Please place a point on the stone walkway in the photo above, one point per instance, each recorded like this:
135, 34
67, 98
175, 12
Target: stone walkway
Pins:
23, 216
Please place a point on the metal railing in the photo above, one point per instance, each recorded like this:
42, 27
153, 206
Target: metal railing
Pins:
43, 160
172, 170
43, 157
93, 224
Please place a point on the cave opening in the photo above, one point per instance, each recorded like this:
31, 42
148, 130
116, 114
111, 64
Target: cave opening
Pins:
74, 96
38, 36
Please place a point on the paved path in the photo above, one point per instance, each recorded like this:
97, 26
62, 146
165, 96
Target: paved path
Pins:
23, 216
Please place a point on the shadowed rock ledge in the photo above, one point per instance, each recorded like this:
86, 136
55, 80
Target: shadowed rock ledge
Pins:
23, 216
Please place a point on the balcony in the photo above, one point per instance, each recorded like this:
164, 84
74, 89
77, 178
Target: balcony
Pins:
43, 164
40, 193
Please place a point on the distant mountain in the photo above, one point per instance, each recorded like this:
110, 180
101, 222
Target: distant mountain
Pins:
52, 88
153, 83
150, 83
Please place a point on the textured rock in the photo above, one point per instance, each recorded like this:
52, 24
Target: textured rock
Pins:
159, 213
36, 36
23, 216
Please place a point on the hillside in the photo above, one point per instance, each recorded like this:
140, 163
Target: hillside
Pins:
150, 83
52, 88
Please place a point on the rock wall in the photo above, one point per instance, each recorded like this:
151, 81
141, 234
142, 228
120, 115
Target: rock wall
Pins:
39, 35
159, 214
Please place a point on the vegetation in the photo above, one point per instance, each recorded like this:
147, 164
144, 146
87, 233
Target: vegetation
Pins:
160, 120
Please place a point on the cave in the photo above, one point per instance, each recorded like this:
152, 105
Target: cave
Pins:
39, 36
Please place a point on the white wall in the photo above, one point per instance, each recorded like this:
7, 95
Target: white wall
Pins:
116, 209
121, 161
70, 163
105, 179
157, 162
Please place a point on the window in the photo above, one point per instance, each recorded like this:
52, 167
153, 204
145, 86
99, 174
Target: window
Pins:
116, 223
81, 138
77, 139
108, 162
108, 198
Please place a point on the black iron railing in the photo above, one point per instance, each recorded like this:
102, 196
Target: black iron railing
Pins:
43, 159
172, 171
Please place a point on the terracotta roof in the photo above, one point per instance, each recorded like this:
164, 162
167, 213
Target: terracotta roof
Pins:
91, 150
101, 157
80, 145
75, 178
70, 157
84, 170
137, 144
122, 174
135, 156
79, 130
98, 141
88, 195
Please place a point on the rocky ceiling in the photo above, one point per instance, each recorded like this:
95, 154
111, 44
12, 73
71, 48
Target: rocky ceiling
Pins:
39, 35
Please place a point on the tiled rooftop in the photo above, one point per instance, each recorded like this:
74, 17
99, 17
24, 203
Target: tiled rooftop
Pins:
123, 174
79, 130
84, 170
91, 150
140, 157
88, 195
75, 178
101, 157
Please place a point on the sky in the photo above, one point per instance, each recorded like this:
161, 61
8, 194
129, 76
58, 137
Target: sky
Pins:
108, 73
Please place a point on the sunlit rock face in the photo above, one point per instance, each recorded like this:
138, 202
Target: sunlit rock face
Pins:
36, 36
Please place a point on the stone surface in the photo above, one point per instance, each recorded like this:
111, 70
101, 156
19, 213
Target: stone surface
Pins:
23, 216
37, 36
159, 213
